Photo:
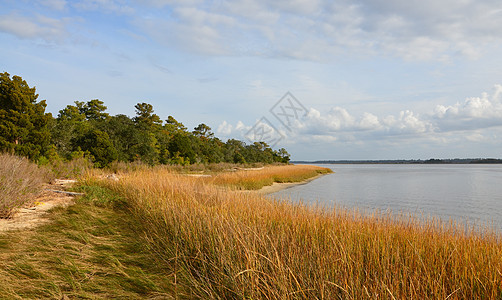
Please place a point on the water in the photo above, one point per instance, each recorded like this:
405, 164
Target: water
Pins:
469, 194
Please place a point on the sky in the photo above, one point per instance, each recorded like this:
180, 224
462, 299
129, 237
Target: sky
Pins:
343, 79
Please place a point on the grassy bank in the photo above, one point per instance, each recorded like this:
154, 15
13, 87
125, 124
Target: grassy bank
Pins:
223, 244
91, 250
256, 178
159, 234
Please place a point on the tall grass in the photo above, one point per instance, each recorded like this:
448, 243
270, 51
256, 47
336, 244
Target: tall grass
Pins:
123, 167
254, 179
20, 181
221, 244
69, 169
89, 250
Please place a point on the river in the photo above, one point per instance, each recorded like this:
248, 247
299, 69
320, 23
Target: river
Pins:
467, 194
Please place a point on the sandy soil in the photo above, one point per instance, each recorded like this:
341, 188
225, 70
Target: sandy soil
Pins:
275, 187
33, 215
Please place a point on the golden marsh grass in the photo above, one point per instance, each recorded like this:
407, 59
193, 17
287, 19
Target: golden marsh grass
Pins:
256, 178
221, 244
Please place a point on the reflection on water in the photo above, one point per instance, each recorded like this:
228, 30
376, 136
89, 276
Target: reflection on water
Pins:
464, 193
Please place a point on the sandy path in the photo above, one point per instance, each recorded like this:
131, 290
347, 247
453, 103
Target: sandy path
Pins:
34, 215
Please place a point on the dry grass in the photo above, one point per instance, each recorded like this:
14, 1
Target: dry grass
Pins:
123, 167
220, 244
20, 181
256, 178
70, 169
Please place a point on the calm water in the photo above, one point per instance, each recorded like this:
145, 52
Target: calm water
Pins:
465, 193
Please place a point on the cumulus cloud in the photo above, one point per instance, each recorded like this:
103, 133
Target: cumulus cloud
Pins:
469, 118
338, 124
338, 121
472, 113
224, 129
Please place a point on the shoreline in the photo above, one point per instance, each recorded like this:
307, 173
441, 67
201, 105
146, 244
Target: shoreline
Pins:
279, 186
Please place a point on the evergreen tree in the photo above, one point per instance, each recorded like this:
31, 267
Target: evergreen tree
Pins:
145, 115
203, 131
173, 126
99, 146
282, 156
181, 145
92, 110
69, 123
124, 136
23, 121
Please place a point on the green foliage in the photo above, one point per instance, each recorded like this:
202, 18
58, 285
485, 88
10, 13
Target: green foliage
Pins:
203, 131
180, 145
145, 115
23, 121
99, 146
71, 113
85, 130
173, 126
125, 136
92, 110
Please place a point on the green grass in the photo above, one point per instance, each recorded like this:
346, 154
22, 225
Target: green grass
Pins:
91, 250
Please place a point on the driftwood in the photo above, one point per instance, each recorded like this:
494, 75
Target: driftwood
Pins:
65, 192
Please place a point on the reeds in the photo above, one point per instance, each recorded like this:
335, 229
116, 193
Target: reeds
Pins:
20, 181
256, 178
221, 244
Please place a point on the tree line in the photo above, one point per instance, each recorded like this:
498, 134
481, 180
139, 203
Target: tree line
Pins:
85, 129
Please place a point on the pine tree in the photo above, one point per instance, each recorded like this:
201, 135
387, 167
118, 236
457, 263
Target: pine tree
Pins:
23, 121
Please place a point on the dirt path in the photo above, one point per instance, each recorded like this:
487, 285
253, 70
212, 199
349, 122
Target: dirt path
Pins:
33, 215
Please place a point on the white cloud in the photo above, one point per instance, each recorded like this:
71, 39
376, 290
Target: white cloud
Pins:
473, 113
240, 126
198, 38
477, 137
339, 121
42, 27
317, 30
197, 16
224, 129
300, 29
461, 122
369, 121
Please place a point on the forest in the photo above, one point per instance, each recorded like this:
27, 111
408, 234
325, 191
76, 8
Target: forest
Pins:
86, 130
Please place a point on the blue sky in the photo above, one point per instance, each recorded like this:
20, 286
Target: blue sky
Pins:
379, 79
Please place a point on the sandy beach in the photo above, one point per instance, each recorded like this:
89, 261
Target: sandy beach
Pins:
275, 187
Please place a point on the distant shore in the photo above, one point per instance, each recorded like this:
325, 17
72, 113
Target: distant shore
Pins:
410, 161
